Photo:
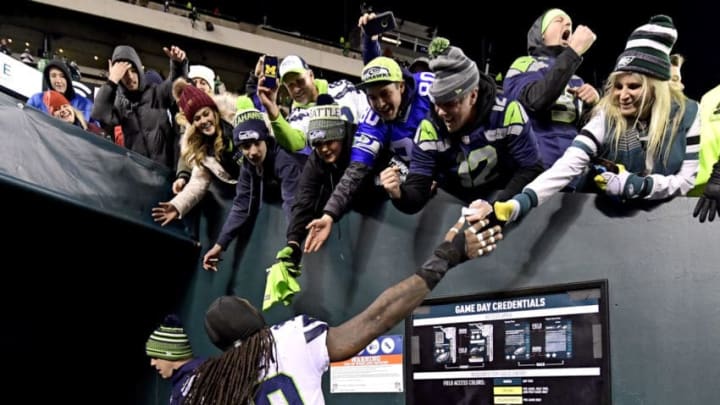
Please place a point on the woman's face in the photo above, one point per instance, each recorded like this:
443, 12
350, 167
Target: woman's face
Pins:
65, 113
628, 93
329, 151
205, 121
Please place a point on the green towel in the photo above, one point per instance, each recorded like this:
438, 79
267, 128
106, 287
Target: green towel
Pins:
281, 284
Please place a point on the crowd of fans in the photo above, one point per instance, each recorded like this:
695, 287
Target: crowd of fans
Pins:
399, 134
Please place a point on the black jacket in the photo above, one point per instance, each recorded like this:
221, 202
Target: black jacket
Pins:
142, 114
317, 182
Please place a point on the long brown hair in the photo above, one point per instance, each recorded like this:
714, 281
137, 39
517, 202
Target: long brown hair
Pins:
192, 144
234, 377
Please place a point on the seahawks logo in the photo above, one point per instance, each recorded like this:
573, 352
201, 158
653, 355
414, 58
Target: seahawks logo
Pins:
625, 60
316, 135
375, 73
243, 136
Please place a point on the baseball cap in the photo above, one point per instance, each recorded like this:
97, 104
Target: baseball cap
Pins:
379, 70
293, 64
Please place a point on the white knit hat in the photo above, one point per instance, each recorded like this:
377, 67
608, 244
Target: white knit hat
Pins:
204, 73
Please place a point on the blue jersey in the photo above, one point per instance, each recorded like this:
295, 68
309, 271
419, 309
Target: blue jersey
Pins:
556, 127
374, 135
473, 163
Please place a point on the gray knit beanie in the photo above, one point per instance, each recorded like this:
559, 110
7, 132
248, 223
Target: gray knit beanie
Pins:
455, 74
327, 121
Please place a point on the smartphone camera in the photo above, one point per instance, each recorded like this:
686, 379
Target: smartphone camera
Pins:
382, 22
270, 71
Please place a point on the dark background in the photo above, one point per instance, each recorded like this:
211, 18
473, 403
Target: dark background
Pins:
502, 26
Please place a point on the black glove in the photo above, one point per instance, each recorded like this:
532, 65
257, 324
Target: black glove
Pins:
290, 253
709, 202
447, 255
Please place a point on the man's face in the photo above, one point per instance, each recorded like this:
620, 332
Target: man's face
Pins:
254, 152
130, 80
301, 87
201, 84
457, 113
164, 367
58, 81
558, 31
385, 99
676, 77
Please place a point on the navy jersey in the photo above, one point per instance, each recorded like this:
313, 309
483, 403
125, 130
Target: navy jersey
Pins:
556, 127
373, 134
473, 163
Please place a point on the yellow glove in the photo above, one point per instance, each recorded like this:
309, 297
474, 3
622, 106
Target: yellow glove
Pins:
623, 184
507, 211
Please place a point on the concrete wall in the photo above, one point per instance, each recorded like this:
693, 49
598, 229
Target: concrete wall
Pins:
661, 266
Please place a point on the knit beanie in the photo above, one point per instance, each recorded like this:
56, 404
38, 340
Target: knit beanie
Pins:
153, 77
327, 121
190, 99
204, 73
169, 341
249, 126
230, 320
54, 100
455, 74
648, 49
550, 16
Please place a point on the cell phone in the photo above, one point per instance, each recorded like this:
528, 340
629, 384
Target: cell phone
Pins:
382, 22
604, 165
270, 71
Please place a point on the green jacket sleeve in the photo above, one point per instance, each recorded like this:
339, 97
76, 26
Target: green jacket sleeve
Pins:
291, 139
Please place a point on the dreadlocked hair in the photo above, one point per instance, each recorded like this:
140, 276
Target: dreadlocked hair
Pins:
234, 377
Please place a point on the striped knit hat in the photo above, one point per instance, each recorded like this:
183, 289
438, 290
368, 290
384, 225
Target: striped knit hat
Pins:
169, 341
648, 49
327, 121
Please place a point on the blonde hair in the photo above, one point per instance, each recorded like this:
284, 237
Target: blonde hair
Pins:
655, 105
80, 118
192, 144
227, 104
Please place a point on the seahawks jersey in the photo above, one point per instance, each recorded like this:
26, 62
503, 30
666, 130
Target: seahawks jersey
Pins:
555, 128
373, 134
353, 102
301, 358
472, 164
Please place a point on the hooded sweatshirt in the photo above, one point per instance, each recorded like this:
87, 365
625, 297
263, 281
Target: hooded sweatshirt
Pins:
80, 103
141, 113
540, 82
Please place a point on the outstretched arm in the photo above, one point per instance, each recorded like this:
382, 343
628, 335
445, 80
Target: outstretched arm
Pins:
398, 301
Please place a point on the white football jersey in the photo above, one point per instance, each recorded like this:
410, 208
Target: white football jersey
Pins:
301, 359
353, 102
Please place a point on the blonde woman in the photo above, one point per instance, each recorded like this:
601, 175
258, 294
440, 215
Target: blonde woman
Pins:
206, 147
59, 107
645, 130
